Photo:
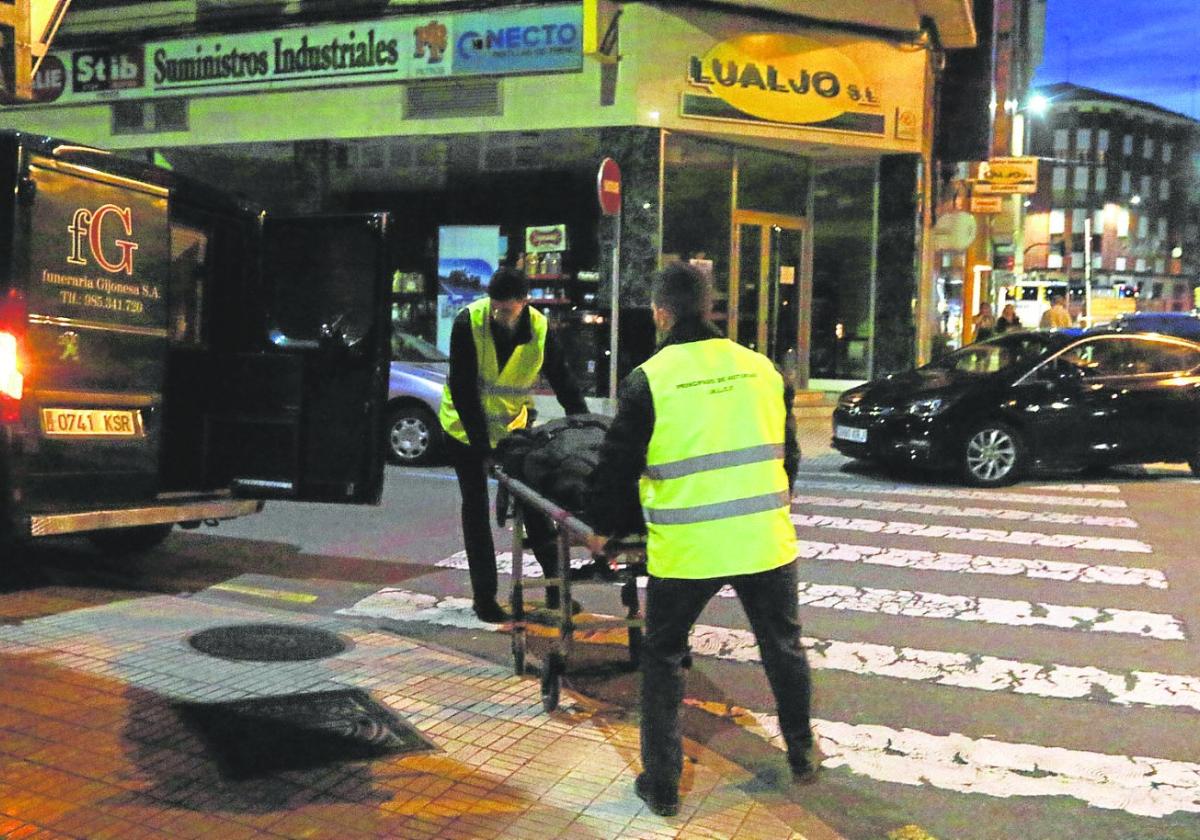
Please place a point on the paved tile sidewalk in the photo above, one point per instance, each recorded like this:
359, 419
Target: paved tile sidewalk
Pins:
92, 746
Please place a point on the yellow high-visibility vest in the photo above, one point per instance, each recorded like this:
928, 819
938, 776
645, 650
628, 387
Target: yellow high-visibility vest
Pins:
714, 492
506, 394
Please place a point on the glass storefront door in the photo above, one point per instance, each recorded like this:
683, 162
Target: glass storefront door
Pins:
770, 286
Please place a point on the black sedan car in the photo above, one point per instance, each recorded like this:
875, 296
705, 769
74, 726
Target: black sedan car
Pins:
996, 409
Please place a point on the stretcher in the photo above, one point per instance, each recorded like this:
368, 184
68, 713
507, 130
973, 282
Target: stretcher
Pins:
623, 563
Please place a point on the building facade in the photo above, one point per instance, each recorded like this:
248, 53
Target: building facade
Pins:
785, 147
1123, 173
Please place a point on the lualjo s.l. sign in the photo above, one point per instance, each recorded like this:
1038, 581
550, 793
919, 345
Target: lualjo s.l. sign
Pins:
783, 79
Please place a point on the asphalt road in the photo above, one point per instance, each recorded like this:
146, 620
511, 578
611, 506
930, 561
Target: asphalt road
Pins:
1012, 663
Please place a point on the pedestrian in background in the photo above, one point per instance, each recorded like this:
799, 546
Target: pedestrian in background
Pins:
1008, 319
1056, 317
705, 431
984, 322
499, 346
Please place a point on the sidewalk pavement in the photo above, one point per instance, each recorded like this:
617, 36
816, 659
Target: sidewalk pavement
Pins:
111, 727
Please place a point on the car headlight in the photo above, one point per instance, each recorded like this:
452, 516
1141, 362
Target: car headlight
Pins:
928, 407
849, 399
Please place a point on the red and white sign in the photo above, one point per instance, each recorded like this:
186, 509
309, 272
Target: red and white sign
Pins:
608, 187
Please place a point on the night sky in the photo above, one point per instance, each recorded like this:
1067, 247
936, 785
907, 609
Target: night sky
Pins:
1144, 49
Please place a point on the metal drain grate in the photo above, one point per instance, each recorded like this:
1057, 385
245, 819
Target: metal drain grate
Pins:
268, 643
267, 735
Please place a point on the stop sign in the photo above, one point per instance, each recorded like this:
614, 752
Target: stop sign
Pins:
608, 187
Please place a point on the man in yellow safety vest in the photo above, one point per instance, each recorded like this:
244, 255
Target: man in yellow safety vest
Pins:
705, 428
498, 348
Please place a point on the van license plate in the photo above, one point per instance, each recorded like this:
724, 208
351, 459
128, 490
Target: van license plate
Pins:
91, 422
851, 434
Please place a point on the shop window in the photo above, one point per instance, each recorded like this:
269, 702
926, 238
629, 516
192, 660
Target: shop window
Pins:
772, 182
1081, 178
842, 328
697, 202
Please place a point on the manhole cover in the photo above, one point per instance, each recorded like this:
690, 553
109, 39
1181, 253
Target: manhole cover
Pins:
268, 643
268, 735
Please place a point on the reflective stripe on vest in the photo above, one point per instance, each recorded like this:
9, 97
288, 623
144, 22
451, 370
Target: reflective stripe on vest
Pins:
714, 492
506, 394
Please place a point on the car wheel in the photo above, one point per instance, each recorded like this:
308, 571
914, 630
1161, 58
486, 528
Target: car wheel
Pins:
413, 436
118, 541
993, 455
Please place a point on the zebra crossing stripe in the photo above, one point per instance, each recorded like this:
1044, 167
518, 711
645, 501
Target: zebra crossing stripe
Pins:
989, 610
959, 494
942, 561
1077, 488
1147, 787
954, 532
952, 669
1006, 514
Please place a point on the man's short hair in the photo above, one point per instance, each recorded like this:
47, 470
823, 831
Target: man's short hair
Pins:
508, 284
683, 290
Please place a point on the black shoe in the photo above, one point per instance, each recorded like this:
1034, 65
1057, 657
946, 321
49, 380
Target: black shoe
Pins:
804, 772
491, 612
553, 602
664, 806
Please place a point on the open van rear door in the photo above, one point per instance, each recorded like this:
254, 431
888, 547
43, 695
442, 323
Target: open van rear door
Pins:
302, 416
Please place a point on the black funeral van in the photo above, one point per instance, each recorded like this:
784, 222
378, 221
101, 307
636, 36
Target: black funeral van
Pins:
170, 354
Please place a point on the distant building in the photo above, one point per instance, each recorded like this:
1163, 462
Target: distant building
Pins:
1128, 167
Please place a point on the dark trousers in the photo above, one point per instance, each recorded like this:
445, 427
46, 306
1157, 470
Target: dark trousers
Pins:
672, 607
477, 525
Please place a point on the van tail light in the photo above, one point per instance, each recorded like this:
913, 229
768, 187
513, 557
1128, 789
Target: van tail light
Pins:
12, 339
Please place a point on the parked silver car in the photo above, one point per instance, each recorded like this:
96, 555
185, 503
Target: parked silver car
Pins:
418, 372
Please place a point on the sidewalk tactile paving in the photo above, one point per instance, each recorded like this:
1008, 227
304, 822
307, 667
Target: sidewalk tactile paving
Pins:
93, 746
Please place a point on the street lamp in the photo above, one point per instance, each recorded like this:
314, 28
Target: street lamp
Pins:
1036, 106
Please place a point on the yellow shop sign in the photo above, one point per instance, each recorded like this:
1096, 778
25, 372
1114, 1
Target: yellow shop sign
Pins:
785, 79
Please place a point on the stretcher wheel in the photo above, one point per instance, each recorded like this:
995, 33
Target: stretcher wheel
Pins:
518, 653
552, 681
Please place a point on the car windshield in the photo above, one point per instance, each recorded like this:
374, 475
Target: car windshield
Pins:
407, 347
987, 357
